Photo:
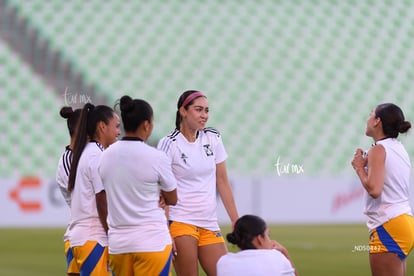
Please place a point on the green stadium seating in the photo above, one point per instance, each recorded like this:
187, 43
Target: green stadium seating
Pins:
288, 79
33, 134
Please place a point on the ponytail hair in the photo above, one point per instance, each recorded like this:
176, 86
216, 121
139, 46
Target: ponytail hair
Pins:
72, 118
186, 99
86, 129
134, 112
245, 230
392, 118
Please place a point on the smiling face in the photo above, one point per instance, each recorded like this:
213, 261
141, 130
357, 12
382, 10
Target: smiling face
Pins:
195, 116
111, 131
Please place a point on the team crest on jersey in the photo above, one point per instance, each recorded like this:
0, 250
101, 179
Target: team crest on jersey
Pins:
208, 150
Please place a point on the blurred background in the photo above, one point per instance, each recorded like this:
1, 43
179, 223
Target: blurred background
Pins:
289, 83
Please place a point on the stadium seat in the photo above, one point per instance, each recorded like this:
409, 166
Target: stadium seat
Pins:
294, 79
32, 139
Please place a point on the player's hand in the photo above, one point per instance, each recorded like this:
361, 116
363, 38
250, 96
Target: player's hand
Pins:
359, 162
282, 249
161, 202
277, 246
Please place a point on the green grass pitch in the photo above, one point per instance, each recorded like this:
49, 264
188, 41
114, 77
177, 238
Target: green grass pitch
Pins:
315, 249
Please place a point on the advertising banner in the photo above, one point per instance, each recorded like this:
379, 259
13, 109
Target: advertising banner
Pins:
37, 202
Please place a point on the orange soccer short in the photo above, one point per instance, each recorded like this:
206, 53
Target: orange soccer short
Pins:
202, 235
142, 263
92, 259
71, 265
396, 236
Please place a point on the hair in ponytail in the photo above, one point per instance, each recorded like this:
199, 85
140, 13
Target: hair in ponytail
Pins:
89, 118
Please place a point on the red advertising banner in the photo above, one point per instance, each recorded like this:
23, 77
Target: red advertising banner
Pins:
30, 202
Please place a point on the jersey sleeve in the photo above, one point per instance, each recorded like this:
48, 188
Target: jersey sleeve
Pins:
94, 175
218, 146
160, 143
62, 182
167, 180
167, 146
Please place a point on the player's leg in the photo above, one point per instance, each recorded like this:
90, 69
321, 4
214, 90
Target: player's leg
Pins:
211, 248
186, 260
209, 256
405, 267
383, 264
186, 242
390, 244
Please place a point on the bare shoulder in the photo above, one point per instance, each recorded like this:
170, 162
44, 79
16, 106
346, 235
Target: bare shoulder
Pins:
376, 152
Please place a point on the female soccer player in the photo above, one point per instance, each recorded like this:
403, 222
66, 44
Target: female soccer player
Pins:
385, 175
134, 174
198, 162
259, 254
62, 175
98, 128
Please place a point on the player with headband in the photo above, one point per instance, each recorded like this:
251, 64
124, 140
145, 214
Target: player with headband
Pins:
198, 159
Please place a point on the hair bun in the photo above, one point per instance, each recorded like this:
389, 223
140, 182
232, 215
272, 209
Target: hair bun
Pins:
126, 103
231, 238
89, 107
66, 112
404, 127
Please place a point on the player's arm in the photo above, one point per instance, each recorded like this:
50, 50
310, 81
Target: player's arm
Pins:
276, 245
225, 191
167, 180
102, 208
170, 198
373, 180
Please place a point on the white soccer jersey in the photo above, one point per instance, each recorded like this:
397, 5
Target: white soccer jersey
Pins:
85, 223
62, 174
393, 200
194, 167
62, 179
133, 174
255, 262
